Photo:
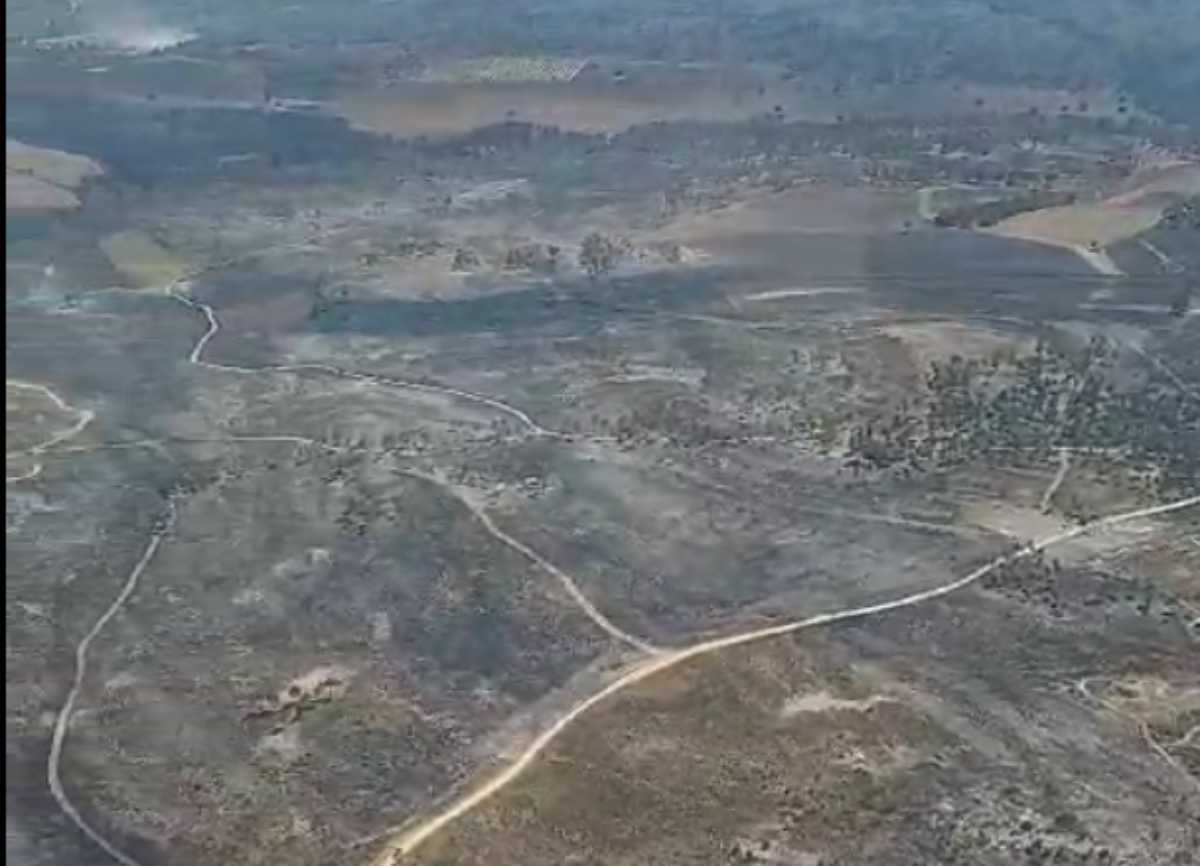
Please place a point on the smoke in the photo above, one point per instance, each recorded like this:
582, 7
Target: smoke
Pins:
126, 25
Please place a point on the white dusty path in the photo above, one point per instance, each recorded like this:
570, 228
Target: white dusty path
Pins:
1064, 466
196, 356
655, 661
568, 583
63, 720
1159, 365
28, 475
1103, 263
83, 417
1167, 263
407, 841
1099, 259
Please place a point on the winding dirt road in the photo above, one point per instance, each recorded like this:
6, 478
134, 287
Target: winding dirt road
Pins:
84, 417
568, 583
63, 719
214, 327
407, 841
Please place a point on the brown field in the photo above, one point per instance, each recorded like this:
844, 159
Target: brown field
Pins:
461, 97
41, 179
420, 108
810, 209
23, 192
1110, 220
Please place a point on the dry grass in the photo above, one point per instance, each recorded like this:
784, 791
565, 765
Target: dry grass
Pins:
506, 69
1110, 220
142, 259
54, 166
683, 765
41, 179
29, 417
1076, 225
26, 193
448, 104
936, 341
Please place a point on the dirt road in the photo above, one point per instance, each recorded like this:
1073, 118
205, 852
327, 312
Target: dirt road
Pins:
63, 719
214, 327
84, 417
407, 841
1064, 466
568, 583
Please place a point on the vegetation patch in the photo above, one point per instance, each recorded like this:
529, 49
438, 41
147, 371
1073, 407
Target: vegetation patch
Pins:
141, 258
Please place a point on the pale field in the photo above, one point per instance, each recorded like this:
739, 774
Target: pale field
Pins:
814, 209
510, 69
1110, 220
441, 108
54, 166
23, 192
41, 179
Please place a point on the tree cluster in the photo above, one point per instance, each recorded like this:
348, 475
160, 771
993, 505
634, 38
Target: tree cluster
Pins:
600, 253
1034, 405
991, 212
1183, 215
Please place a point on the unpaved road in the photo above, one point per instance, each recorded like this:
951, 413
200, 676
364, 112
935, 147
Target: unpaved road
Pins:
1167, 263
1159, 365
84, 417
407, 841
214, 327
1099, 259
1064, 466
568, 583
63, 720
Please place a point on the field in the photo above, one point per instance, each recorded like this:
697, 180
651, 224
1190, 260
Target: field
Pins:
142, 259
1107, 222
41, 179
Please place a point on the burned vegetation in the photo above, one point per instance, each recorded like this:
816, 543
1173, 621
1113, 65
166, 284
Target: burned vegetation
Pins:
1035, 404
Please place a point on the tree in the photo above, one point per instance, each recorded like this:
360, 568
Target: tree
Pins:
598, 254
464, 260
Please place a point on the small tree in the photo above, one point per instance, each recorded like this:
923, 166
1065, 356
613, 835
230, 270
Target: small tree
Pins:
464, 260
598, 254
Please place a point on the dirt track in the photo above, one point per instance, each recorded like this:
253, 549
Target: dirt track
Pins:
63, 719
84, 418
409, 840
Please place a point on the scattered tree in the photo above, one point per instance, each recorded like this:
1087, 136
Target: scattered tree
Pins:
599, 254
